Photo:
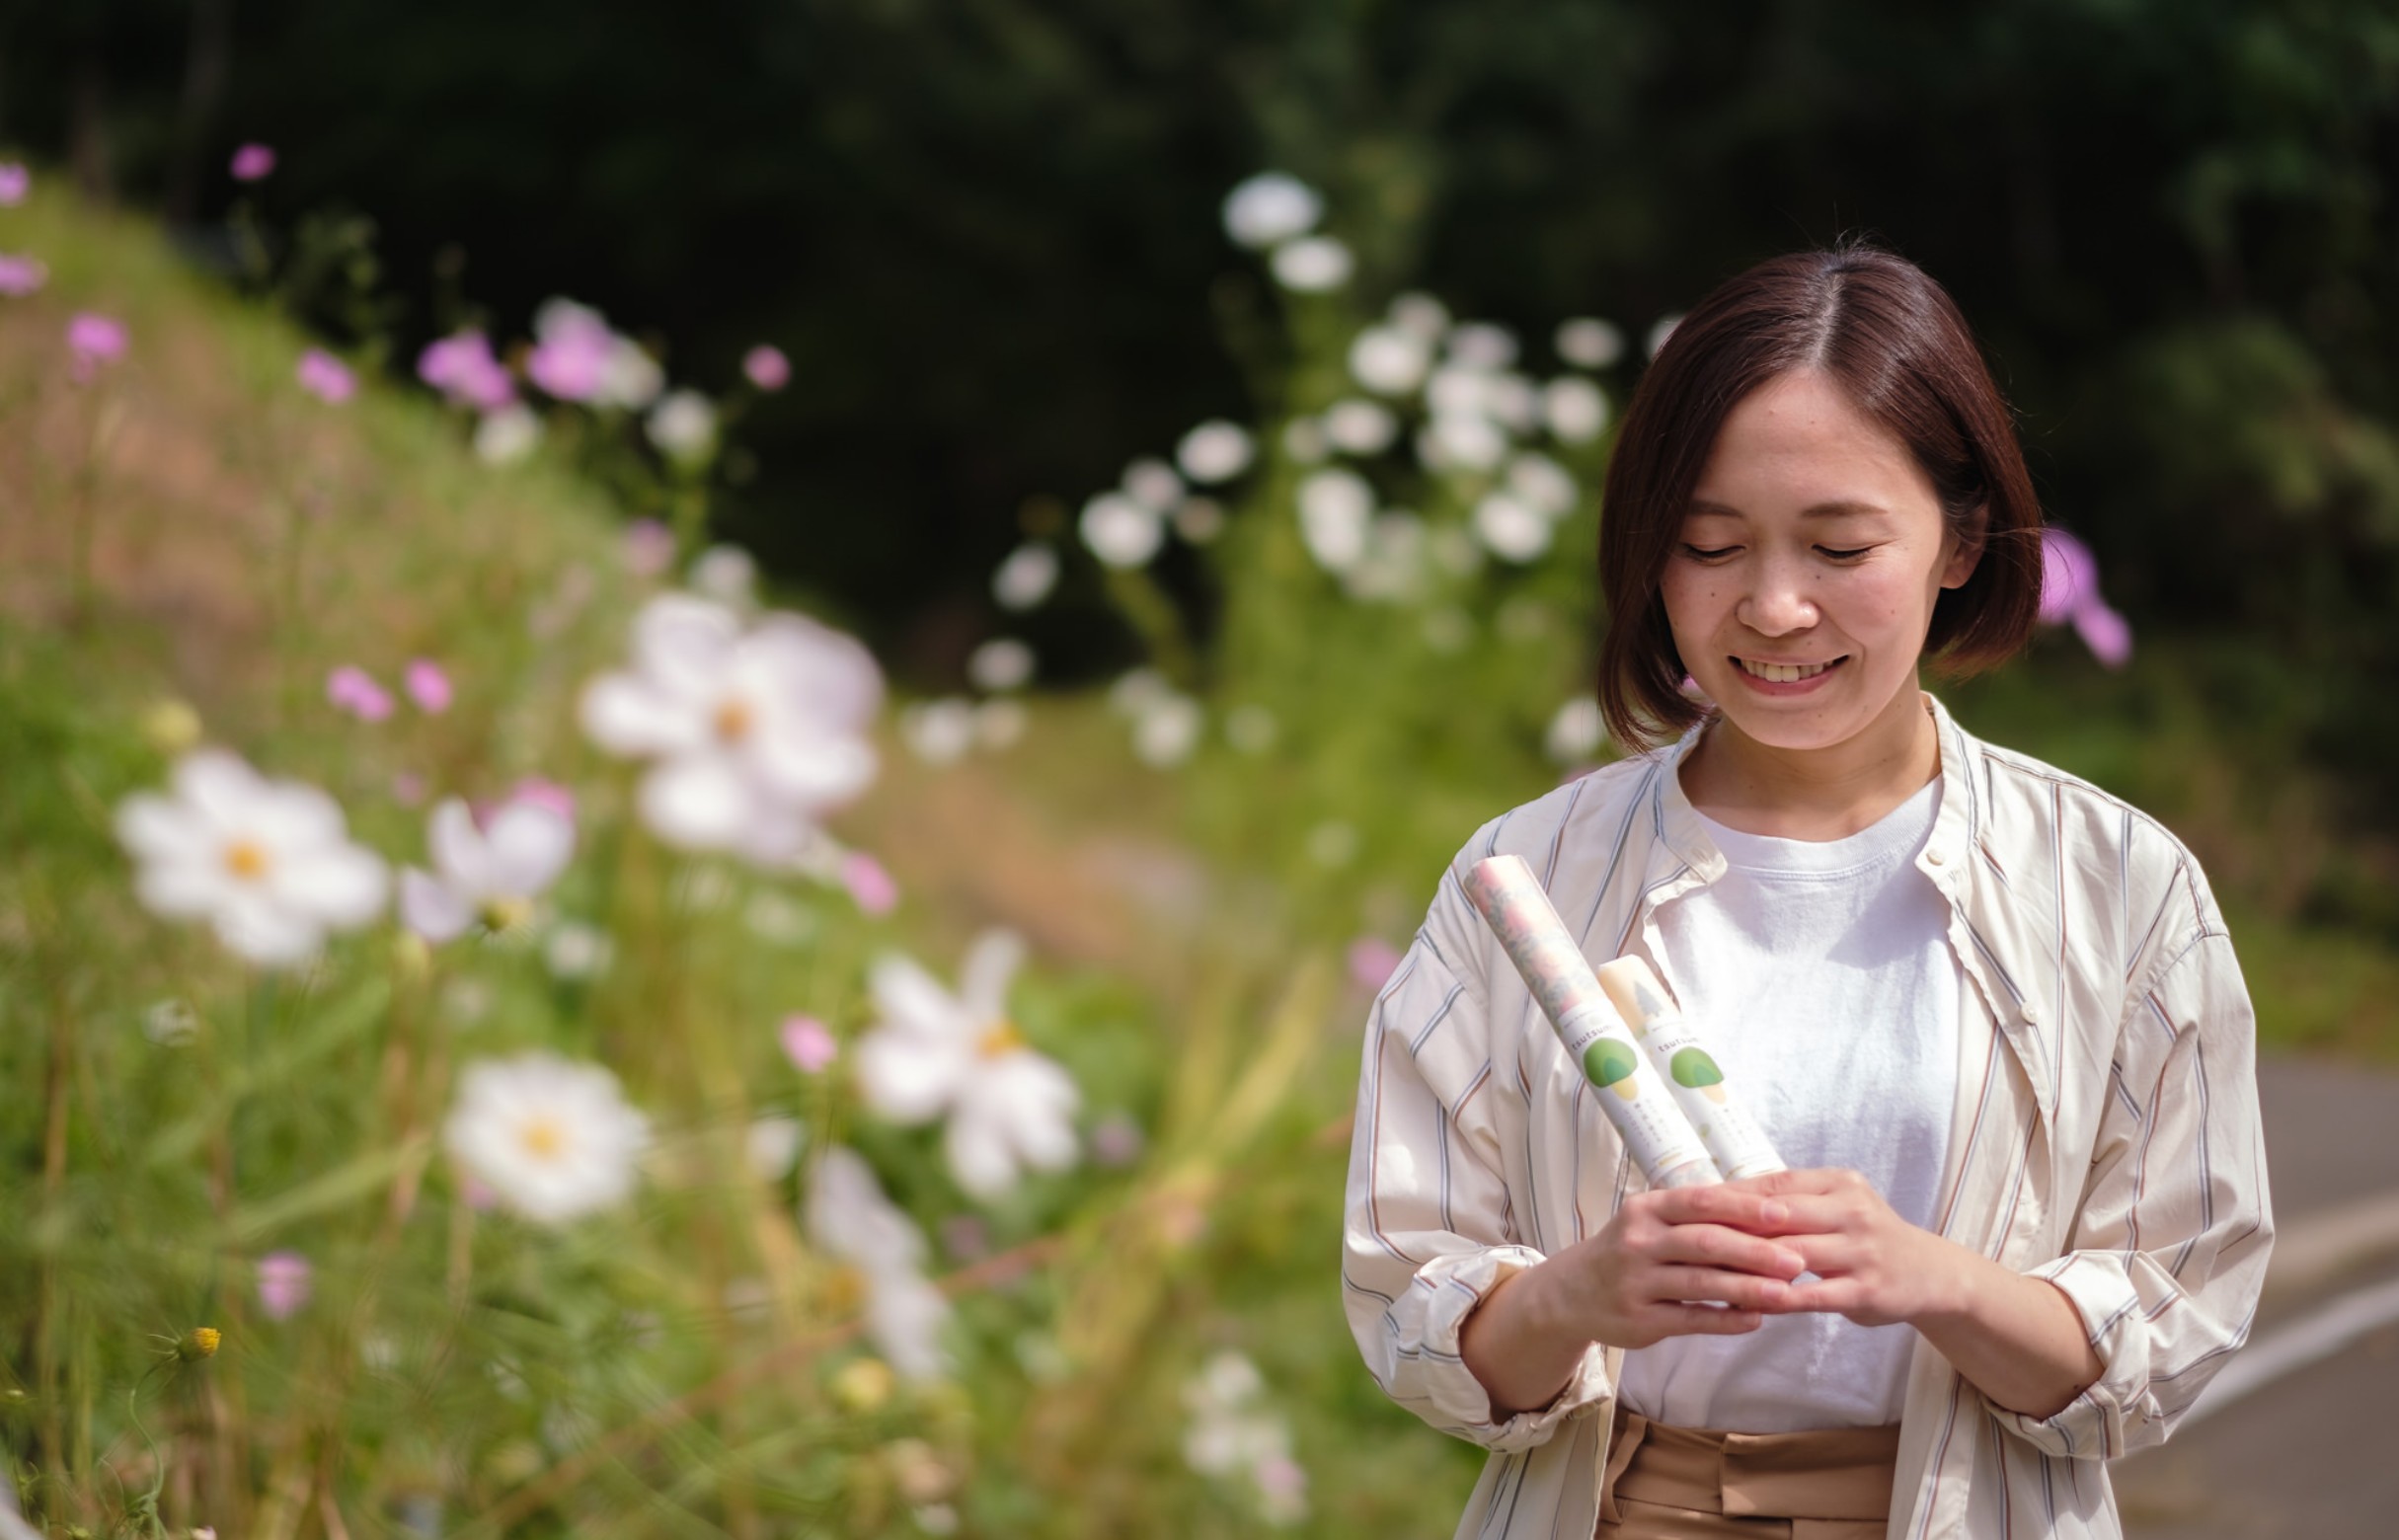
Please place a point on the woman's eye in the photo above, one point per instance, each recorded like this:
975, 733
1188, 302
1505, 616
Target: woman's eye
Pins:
1707, 554
1844, 556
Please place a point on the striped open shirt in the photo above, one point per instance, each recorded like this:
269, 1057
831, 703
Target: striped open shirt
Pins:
2106, 1135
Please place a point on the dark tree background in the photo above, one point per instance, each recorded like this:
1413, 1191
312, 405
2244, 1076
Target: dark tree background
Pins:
986, 233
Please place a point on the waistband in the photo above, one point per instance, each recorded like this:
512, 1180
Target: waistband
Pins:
1839, 1473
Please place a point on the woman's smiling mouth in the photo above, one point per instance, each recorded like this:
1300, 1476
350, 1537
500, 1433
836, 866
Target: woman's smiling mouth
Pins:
1786, 673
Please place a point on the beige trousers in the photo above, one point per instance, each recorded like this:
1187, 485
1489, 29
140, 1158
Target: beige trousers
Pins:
1667, 1482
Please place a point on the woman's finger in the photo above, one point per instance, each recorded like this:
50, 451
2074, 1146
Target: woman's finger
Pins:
1716, 1204
1699, 1321
1715, 1246
1740, 1290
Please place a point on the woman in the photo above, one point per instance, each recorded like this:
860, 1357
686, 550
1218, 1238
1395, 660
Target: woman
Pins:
1987, 1012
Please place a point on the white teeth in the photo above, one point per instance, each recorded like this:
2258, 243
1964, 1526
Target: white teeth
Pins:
1783, 673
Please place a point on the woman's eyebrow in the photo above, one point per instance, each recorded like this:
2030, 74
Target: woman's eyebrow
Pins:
1845, 507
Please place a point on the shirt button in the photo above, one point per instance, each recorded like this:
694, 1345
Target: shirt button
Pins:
1933, 856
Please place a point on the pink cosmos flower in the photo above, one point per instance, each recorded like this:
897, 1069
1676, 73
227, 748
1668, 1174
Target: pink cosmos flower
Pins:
14, 183
2107, 634
326, 377
649, 547
20, 275
285, 1283
463, 369
426, 685
354, 690
545, 794
766, 367
1116, 1141
92, 341
1371, 963
571, 360
808, 1044
869, 883
253, 162
2070, 594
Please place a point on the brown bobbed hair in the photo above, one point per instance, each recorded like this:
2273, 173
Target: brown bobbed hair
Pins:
1894, 343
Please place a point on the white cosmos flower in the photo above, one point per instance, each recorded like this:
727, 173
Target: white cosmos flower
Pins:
268, 864
1388, 359
1590, 344
1360, 427
848, 1217
1421, 316
1513, 400
1270, 208
1335, 509
683, 426
1120, 531
938, 732
630, 378
1393, 566
485, 876
553, 1138
1543, 484
507, 435
1574, 732
934, 1052
753, 734
1303, 440
725, 573
1000, 664
1313, 265
1153, 483
1025, 578
1482, 345
1463, 441
772, 1145
1512, 531
1215, 451
1574, 409
1199, 520
1166, 731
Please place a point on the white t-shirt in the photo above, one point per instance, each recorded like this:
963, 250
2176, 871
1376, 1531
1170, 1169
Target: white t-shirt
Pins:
1819, 976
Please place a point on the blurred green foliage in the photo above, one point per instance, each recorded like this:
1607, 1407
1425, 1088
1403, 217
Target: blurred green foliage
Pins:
983, 231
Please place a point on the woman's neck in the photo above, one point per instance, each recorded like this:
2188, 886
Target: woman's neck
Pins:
1813, 794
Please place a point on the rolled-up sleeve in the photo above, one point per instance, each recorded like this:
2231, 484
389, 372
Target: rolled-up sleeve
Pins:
2170, 1247
1427, 1230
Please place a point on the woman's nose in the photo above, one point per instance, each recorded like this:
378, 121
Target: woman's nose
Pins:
1776, 602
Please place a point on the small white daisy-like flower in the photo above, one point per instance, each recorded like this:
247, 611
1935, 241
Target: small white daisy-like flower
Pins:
1590, 344
1167, 731
1153, 483
1482, 345
1120, 531
1313, 265
507, 435
487, 874
1025, 577
1335, 507
725, 573
935, 1052
752, 733
1421, 316
772, 1145
553, 1139
1199, 520
1574, 409
849, 1218
1462, 441
1545, 486
1388, 361
1270, 208
268, 864
1510, 530
1215, 451
1574, 732
938, 732
683, 426
1303, 441
1357, 426
1000, 664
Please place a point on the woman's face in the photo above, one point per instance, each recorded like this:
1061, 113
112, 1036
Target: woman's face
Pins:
1803, 583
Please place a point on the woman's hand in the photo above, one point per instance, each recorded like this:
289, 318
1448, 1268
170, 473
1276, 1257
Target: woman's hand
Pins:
2019, 1339
1635, 1282
1870, 1265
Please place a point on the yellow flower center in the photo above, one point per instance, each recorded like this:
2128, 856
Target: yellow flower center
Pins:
733, 720
1001, 1037
246, 859
544, 1138
506, 914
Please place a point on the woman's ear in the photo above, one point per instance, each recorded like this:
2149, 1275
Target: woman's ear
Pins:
1963, 552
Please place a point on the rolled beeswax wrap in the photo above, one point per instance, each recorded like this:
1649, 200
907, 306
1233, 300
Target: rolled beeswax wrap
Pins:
1635, 1099
1735, 1141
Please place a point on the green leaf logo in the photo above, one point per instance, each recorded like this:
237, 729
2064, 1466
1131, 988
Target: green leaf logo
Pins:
1692, 1067
1611, 1064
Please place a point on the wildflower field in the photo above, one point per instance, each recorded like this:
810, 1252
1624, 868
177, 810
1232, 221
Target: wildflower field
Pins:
512, 1023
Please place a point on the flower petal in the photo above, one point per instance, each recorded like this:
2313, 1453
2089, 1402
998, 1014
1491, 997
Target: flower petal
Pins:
530, 844
628, 716
432, 909
983, 981
907, 1078
460, 851
698, 803
341, 885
